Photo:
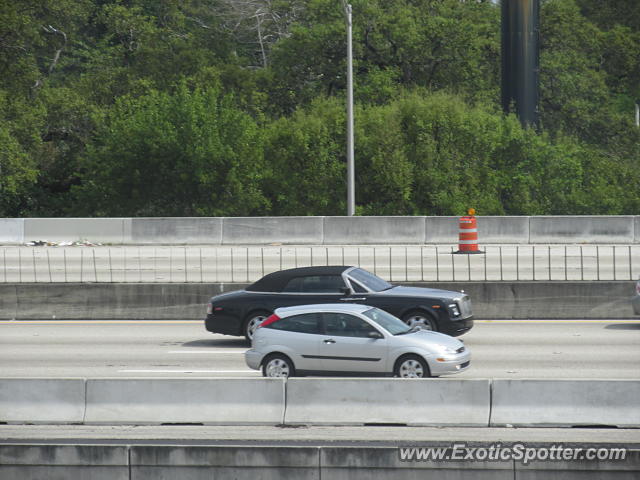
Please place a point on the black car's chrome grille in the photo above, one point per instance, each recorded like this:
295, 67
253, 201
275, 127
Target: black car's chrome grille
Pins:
465, 307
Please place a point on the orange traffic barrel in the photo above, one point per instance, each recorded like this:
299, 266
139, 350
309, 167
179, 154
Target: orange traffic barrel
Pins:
468, 234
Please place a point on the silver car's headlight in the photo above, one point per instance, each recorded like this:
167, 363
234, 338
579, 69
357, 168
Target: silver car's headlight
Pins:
451, 351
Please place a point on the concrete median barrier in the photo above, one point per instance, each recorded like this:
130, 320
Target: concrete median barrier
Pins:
409, 230
40, 400
584, 229
373, 230
105, 230
565, 403
266, 230
11, 230
171, 231
223, 401
357, 401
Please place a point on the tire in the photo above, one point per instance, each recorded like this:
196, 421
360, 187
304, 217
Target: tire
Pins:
411, 366
251, 323
278, 365
421, 318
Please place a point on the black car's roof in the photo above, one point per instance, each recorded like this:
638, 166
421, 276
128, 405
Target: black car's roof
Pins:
276, 281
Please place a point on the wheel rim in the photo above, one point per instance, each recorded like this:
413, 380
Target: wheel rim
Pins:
253, 323
277, 368
421, 321
411, 369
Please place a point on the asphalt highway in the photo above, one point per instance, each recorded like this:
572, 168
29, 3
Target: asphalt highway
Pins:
599, 349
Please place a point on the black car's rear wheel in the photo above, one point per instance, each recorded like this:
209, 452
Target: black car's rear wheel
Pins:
420, 318
277, 365
252, 322
411, 366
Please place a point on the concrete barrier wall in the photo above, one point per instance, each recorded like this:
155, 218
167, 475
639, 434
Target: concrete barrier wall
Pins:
565, 229
187, 301
11, 231
368, 230
266, 230
238, 463
321, 401
104, 230
360, 401
153, 462
107, 301
64, 462
169, 231
324, 230
565, 403
546, 300
233, 401
40, 400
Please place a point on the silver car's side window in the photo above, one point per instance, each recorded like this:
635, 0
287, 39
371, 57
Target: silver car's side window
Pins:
345, 325
305, 323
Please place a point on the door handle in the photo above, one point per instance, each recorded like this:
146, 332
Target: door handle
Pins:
352, 299
329, 340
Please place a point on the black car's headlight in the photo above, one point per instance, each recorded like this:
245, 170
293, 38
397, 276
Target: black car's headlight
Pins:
455, 311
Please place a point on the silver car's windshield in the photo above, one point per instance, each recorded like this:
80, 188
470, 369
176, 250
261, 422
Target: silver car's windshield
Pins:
387, 321
369, 280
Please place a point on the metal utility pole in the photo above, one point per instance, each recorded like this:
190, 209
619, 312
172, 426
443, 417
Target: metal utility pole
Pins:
521, 58
638, 113
351, 189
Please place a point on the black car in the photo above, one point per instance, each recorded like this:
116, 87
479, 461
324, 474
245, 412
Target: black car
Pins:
240, 312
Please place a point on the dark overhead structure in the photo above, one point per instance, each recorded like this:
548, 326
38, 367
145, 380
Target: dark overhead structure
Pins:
521, 59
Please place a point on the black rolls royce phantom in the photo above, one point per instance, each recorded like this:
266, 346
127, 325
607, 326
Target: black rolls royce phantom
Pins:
240, 312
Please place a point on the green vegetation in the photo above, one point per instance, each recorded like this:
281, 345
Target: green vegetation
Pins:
237, 108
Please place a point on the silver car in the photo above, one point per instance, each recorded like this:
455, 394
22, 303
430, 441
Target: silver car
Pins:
351, 339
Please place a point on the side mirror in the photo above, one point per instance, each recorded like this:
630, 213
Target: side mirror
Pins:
375, 335
345, 291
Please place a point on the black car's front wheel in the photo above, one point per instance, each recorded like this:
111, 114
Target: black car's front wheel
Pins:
252, 322
420, 318
277, 365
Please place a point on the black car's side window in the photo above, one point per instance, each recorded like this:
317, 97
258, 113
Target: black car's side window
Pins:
294, 285
344, 325
315, 284
305, 323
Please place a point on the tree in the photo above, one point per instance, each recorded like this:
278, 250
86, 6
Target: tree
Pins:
189, 153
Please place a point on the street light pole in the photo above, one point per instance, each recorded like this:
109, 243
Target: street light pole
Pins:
351, 195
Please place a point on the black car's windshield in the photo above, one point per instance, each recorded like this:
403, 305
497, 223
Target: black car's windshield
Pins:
369, 280
387, 321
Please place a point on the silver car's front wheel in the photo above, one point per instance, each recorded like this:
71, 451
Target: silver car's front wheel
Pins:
252, 323
411, 366
420, 319
277, 366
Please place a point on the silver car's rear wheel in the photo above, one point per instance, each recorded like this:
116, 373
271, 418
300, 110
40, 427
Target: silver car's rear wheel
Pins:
411, 366
252, 323
276, 366
420, 319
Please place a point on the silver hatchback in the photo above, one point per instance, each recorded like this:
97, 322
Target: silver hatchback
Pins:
351, 339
